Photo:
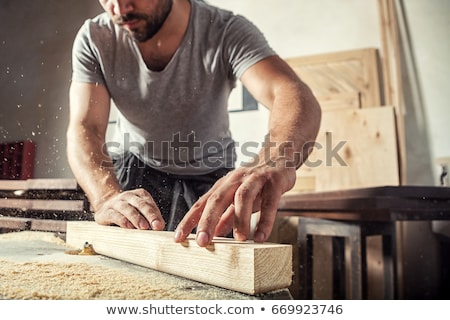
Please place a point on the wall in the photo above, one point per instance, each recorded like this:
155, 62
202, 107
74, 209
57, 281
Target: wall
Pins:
35, 66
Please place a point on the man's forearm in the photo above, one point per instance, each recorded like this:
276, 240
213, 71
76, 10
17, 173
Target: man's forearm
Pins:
294, 111
92, 167
294, 124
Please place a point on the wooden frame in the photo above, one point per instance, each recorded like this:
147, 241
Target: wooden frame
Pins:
346, 79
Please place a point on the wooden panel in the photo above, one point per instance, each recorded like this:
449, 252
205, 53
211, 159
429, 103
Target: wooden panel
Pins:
393, 63
44, 199
240, 266
347, 79
32, 204
34, 184
344, 100
354, 149
14, 223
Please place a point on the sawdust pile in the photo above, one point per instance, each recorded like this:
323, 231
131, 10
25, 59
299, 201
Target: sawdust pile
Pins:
57, 281
40, 277
32, 236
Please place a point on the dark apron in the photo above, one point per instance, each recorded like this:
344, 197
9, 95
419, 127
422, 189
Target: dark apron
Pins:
173, 194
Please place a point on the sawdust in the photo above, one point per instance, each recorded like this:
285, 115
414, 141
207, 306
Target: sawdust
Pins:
60, 281
33, 265
33, 236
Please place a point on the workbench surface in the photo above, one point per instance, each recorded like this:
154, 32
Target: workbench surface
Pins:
35, 265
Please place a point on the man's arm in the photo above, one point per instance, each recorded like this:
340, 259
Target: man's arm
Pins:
294, 123
93, 168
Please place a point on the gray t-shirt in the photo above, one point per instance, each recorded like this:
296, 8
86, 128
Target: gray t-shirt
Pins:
175, 120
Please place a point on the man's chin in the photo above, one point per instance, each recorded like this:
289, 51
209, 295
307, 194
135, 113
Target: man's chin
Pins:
138, 36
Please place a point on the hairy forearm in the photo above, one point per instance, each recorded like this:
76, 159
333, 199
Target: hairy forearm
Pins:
91, 165
294, 111
294, 123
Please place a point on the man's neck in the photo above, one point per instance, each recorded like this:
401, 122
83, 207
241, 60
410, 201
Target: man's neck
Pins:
158, 50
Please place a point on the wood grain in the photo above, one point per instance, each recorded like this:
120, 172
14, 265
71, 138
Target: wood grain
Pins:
18, 224
47, 205
245, 267
393, 73
43, 184
346, 79
354, 149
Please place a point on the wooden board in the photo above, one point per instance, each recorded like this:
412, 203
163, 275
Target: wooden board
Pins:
39, 184
47, 205
347, 79
18, 224
355, 149
245, 267
392, 64
35, 265
44, 199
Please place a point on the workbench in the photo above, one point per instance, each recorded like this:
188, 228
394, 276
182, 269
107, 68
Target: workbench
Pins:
355, 214
36, 265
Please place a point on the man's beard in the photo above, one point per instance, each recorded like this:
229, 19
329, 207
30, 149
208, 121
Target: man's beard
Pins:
153, 23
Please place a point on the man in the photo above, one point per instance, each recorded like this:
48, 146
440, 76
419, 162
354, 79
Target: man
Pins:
169, 66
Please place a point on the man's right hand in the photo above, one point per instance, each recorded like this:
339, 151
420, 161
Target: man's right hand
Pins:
133, 209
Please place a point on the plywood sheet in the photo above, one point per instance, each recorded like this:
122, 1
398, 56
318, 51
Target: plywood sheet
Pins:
354, 149
347, 79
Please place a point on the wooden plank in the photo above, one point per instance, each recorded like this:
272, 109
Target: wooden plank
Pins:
49, 205
337, 74
48, 225
17, 223
52, 184
345, 100
13, 223
35, 184
240, 266
13, 185
392, 61
354, 149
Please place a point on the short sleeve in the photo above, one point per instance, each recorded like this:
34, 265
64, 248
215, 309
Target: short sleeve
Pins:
85, 63
245, 45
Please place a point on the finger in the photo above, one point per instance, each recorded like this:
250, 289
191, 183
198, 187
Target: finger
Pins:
244, 200
123, 207
190, 220
269, 206
216, 204
144, 203
112, 217
225, 224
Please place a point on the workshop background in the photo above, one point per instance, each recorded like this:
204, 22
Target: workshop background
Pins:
35, 69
